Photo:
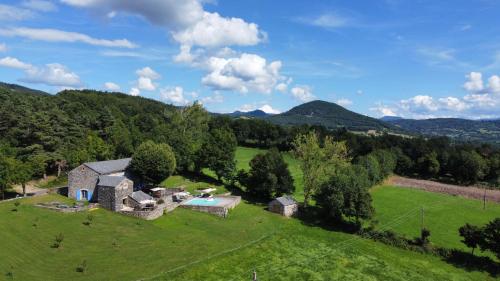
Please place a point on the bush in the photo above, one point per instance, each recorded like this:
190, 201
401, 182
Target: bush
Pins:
58, 241
161, 201
82, 267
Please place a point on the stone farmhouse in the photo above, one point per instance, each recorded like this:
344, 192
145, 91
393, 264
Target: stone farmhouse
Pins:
285, 206
106, 183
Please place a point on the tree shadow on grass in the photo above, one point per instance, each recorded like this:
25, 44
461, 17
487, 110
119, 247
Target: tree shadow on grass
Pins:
469, 262
314, 216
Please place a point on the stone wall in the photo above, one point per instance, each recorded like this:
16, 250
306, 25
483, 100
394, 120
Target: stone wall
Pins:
287, 211
112, 198
214, 210
82, 177
147, 215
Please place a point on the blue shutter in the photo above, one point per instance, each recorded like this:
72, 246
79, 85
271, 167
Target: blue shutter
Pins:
90, 195
78, 193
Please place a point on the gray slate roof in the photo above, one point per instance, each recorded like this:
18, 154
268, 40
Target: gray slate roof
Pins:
108, 167
140, 196
110, 181
286, 200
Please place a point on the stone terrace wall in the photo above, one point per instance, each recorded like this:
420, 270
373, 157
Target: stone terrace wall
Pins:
214, 210
147, 215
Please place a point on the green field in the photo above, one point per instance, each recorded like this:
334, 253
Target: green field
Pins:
443, 214
188, 245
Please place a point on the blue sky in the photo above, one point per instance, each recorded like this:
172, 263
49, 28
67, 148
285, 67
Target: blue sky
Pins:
416, 59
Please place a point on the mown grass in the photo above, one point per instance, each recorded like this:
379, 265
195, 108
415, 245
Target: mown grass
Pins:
198, 246
443, 214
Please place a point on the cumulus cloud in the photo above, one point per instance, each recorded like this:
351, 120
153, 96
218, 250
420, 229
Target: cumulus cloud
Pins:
55, 35
110, 86
344, 102
302, 93
174, 95
148, 72
53, 74
474, 82
264, 107
247, 72
480, 102
170, 13
146, 77
14, 63
188, 22
134, 92
215, 31
40, 5
215, 98
11, 13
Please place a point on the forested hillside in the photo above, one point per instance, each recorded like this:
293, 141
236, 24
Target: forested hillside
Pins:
459, 129
329, 115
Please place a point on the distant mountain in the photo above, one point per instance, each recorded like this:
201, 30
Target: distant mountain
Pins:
459, 129
20, 89
330, 115
390, 118
255, 113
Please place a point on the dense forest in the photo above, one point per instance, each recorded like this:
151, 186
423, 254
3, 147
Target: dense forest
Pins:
58, 132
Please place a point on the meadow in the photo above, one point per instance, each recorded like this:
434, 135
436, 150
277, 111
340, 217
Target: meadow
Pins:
187, 245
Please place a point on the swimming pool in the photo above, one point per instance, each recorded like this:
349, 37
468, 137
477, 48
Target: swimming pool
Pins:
204, 202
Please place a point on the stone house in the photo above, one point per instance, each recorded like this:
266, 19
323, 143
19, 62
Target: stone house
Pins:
105, 182
285, 206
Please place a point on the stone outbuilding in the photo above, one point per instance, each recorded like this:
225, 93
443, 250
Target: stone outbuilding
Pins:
285, 206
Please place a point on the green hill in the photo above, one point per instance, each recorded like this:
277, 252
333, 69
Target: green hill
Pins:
330, 115
455, 128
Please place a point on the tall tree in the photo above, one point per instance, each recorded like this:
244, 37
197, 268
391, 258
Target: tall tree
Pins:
152, 163
318, 162
22, 174
268, 176
472, 236
218, 152
491, 237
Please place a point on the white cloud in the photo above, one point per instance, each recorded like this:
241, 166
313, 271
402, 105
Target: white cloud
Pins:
359, 92
14, 63
53, 74
11, 13
329, 20
269, 109
3, 47
40, 5
145, 83
110, 86
248, 72
148, 72
146, 77
383, 110
282, 87
174, 95
265, 107
474, 82
494, 84
170, 13
55, 35
344, 102
479, 102
215, 31
302, 93
134, 92
215, 98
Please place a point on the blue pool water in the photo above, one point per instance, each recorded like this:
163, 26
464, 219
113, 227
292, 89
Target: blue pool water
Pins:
203, 202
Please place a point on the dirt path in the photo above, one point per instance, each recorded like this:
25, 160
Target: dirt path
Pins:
30, 188
432, 186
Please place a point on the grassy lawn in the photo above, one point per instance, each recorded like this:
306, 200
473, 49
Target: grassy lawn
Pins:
443, 214
187, 245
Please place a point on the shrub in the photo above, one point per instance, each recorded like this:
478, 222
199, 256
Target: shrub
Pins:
58, 240
82, 267
161, 201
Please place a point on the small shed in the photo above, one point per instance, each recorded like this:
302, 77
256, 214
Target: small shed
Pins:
140, 200
285, 206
